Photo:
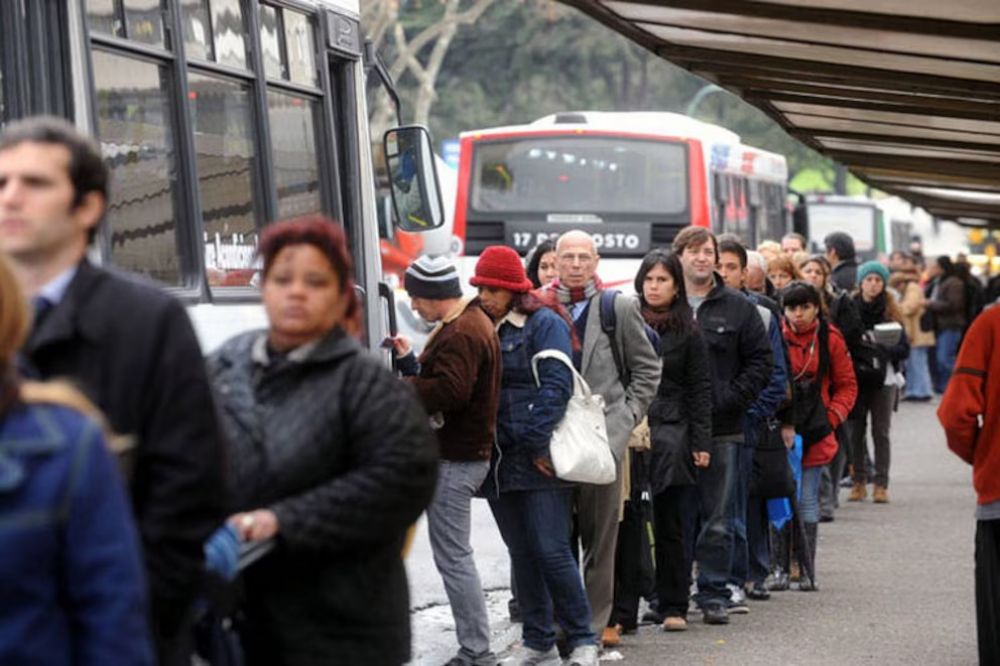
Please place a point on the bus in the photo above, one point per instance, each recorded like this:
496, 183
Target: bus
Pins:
632, 179
818, 215
215, 117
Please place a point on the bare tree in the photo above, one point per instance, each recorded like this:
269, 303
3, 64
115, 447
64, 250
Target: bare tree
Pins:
419, 54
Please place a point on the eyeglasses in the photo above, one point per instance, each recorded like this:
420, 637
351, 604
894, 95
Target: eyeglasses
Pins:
574, 258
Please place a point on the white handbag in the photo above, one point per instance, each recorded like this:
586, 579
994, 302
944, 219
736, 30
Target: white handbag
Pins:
579, 446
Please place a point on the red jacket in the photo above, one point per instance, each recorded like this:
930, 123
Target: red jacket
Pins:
973, 394
840, 387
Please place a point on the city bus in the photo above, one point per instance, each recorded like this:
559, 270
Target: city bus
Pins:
818, 215
215, 117
632, 179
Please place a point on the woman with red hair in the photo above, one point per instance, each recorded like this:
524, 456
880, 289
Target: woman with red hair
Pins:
331, 457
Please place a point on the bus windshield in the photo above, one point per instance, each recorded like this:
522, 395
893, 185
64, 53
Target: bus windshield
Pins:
857, 220
597, 175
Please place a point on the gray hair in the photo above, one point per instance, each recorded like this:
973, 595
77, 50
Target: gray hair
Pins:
755, 258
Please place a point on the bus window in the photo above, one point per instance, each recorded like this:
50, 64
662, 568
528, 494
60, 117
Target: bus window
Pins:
227, 24
137, 138
296, 167
299, 39
225, 153
270, 42
138, 20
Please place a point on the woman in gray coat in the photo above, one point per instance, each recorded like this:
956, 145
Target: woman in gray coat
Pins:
680, 422
330, 456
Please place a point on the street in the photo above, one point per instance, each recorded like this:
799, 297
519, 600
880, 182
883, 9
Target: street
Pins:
896, 581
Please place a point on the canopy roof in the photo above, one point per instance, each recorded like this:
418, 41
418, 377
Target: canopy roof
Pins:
905, 93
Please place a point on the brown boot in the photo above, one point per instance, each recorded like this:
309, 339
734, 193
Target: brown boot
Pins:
858, 492
612, 636
880, 495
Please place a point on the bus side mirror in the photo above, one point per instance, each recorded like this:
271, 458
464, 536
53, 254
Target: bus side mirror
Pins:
416, 194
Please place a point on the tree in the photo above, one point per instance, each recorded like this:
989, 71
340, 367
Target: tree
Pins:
417, 43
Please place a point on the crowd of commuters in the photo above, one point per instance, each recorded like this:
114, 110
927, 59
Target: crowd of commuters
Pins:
125, 493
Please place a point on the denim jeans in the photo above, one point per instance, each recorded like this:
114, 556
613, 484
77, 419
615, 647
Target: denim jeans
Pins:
717, 487
918, 374
448, 522
809, 500
947, 350
535, 525
739, 572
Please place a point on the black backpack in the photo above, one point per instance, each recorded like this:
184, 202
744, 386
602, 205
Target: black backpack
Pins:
609, 321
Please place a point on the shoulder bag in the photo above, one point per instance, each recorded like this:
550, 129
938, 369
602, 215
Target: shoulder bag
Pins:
579, 446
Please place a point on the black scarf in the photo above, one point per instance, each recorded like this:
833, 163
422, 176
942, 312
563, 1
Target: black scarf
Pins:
872, 312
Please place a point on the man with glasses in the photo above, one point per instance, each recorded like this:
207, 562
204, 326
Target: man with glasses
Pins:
627, 392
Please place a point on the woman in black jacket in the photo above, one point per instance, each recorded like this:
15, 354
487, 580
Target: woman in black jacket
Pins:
680, 421
876, 365
331, 457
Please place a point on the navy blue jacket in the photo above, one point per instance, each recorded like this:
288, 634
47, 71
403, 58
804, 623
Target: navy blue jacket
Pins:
529, 413
70, 570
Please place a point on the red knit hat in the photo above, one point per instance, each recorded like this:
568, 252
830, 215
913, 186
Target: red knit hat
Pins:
501, 267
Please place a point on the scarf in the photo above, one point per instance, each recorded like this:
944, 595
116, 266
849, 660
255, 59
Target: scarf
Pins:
656, 318
569, 295
872, 312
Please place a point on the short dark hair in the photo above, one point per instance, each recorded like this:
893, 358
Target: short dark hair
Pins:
800, 292
87, 170
797, 236
733, 247
694, 236
840, 243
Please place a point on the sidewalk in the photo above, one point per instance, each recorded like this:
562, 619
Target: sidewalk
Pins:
896, 581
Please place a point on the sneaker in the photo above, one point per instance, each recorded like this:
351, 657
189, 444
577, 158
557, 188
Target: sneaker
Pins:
880, 495
737, 600
758, 592
528, 657
675, 624
652, 617
715, 615
582, 655
612, 636
858, 492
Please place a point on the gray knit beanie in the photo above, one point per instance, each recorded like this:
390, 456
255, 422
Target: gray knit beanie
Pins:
432, 277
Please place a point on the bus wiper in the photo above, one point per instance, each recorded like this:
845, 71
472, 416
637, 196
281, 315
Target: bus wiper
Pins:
374, 61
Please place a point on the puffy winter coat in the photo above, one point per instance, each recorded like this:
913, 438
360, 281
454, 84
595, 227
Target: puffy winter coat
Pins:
839, 388
529, 412
342, 453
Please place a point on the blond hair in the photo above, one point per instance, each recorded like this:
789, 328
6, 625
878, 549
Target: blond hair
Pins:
14, 318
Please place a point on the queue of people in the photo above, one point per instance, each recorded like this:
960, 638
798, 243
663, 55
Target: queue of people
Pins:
294, 437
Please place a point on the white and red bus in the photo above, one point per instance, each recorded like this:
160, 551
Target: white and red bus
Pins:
633, 179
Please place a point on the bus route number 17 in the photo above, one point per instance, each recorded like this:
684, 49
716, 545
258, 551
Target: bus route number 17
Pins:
525, 240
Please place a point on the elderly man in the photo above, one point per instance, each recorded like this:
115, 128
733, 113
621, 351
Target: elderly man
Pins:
756, 277
624, 368
458, 380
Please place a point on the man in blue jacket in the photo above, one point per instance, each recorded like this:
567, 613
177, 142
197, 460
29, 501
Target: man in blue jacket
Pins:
742, 362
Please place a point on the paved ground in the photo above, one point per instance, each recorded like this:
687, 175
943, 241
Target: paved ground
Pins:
896, 581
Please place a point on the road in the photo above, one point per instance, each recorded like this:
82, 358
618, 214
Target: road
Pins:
896, 581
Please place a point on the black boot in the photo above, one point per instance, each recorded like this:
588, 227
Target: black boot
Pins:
808, 581
780, 559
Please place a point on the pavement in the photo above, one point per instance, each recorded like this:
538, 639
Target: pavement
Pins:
896, 581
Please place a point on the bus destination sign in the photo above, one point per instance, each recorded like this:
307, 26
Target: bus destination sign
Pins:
611, 239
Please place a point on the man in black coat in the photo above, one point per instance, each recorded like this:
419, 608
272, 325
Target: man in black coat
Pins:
841, 255
131, 349
740, 356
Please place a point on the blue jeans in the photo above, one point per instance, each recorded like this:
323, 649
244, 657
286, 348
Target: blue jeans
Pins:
448, 522
809, 500
918, 374
717, 487
947, 350
535, 525
741, 549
